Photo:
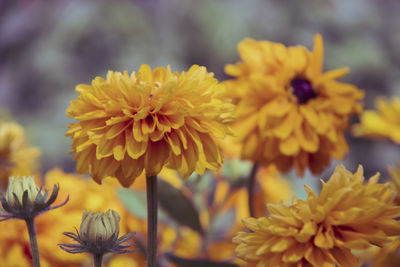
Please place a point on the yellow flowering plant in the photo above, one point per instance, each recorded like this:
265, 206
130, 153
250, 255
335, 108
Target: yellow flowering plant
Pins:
323, 230
128, 124
290, 112
148, 120
279, 110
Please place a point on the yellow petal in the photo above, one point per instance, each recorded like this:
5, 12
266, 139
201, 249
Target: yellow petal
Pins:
134, 148
289, 146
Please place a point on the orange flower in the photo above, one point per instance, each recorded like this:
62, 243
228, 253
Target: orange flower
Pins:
289, 112
322, 231
148, 120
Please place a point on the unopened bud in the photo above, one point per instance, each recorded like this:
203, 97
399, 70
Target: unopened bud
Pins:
99, 227
17, 188
24, 199
98, 234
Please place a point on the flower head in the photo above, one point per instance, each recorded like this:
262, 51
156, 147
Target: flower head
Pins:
24, 199
148, 120
18, 186
99, 227
290, 112
17, 158
322, 231
382, 123
98, 234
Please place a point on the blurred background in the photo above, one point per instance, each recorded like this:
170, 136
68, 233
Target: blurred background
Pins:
48, 47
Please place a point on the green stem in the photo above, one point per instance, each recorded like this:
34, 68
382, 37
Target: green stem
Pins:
151, 187
250, 188
30, 224
98, 259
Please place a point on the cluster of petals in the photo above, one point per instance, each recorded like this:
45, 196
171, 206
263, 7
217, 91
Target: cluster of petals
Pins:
323, 231
389, 255
290, 112
384, 122
148, 120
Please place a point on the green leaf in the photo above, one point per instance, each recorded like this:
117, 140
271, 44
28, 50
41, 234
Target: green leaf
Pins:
177, 206
135, 201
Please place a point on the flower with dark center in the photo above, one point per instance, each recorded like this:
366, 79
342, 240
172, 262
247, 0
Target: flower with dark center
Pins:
290, 112
303, 90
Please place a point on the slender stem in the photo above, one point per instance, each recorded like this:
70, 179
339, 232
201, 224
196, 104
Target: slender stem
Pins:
98, 259
151, 186
30, 224
250, 188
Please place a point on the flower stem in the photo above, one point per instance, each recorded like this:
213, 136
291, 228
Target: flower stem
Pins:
98, 259
250, 188
151, 186
30, 224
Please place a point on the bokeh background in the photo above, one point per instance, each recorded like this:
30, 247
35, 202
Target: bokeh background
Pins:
48, 47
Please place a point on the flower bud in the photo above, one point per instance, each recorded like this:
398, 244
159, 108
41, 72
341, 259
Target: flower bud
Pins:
98, 234
99, 227
17, 188
25, 200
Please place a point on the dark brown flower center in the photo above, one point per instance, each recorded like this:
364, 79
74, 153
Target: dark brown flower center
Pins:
149, 119
303, 90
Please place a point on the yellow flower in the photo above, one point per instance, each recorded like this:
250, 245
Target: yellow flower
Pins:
84, 194
322, 231
382, 123
290, 112
394, 173
147, 120
17, 158
389, 255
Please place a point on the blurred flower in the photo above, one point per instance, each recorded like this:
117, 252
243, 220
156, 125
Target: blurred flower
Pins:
389, 255
221, 210
322, 231
382, 123
25, 200
290, 112
272, 187
394, 173
98, 235
17, 158
147, 120
84, 194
